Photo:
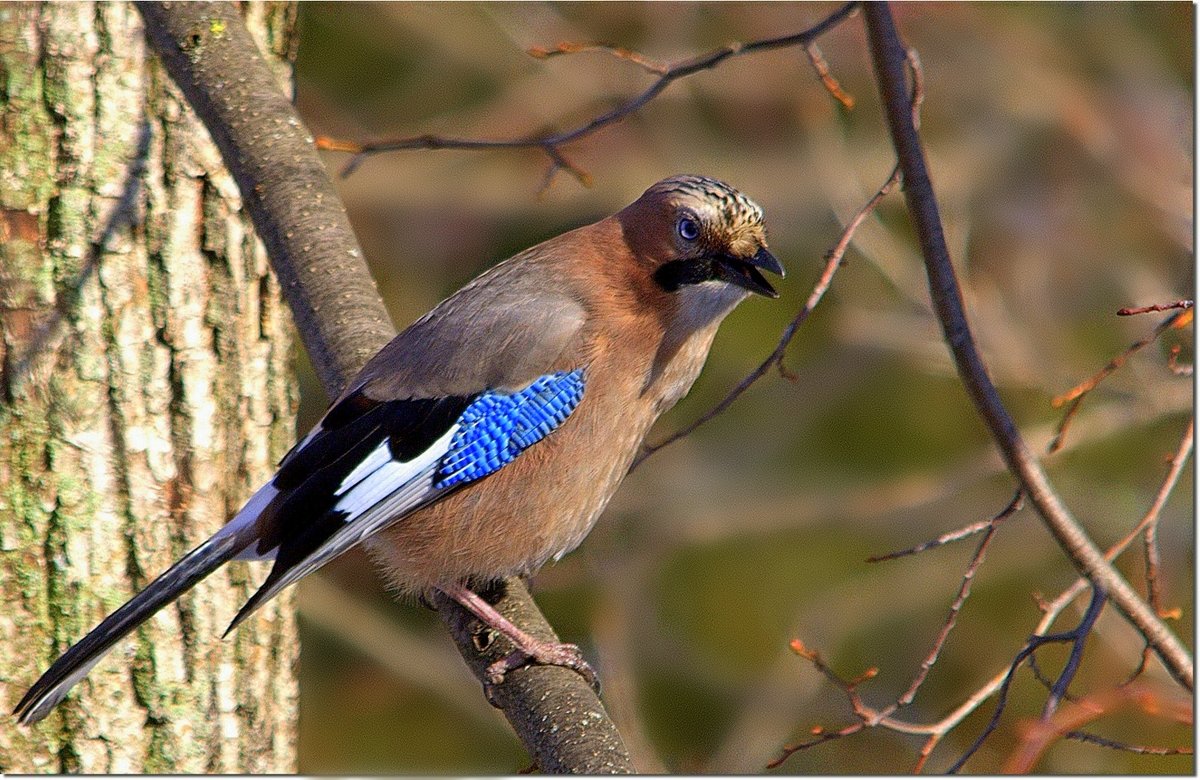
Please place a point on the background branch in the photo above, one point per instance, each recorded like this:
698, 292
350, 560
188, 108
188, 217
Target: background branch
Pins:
341, 318
551, 143
889, 57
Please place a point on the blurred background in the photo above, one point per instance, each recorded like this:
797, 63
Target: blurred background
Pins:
1060, 139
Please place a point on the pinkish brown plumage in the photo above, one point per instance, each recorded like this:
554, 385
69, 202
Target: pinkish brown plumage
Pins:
487, 438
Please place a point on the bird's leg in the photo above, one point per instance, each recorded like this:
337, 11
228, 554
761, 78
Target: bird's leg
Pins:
530, 649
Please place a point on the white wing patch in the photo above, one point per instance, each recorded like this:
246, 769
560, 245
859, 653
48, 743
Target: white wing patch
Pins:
378, 477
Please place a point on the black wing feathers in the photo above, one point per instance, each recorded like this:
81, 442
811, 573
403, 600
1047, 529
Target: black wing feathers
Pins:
303, 516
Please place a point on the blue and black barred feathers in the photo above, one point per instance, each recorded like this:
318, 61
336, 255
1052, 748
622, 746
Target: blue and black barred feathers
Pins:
496, 427
316, 487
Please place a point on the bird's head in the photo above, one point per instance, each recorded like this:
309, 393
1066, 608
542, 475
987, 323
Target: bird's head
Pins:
701, 238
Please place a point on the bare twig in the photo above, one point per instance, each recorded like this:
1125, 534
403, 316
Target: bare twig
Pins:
1040, 735
890, 57
1052, 609
1074, 397
629, 55
1129, 310
866, 716
1149, 750
1149, 528
831, 84
833, 261
1076, 637
869, 717
550, 143
964, 591
955, 535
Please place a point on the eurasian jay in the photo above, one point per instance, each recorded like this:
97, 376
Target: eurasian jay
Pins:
487, 438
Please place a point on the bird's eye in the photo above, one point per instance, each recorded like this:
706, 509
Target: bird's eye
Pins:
688, 229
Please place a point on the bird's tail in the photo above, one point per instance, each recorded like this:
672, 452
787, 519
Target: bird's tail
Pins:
73, 665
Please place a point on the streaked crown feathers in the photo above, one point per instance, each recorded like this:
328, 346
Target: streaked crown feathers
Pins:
735, 209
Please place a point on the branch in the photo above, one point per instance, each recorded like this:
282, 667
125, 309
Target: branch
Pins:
889, 57
1014, 506
1051, 610
1074, 397
869, 717
1041, 734
339, 314
550, 143
1076, 637
1131, 310
833, 261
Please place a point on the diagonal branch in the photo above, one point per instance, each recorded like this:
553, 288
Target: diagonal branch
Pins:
889, 57
339, 314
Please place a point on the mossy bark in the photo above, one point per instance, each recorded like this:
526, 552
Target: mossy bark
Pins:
146, 389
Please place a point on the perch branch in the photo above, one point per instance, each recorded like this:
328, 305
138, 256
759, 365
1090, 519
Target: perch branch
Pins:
210, 55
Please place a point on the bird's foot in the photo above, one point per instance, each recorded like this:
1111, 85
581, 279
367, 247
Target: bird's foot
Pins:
546, 653
529, 649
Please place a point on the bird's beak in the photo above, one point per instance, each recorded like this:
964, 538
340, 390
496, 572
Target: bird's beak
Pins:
743, 271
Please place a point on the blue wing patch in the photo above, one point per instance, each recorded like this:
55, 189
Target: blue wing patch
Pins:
497, 427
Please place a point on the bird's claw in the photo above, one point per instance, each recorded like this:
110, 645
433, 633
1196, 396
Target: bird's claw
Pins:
550, 654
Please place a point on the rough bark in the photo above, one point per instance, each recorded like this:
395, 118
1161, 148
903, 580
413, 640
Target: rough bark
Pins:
145, 372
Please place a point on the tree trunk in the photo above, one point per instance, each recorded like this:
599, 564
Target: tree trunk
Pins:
145, 369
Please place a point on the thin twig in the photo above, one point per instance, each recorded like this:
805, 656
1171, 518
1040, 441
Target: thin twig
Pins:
831, 84
869, 717
549, 143
890, 58
1074, 397
833, 261
964, 591
1076, 637
1051, 610
629, 55
1149, 528
1130, 310
955, 535
1149, 750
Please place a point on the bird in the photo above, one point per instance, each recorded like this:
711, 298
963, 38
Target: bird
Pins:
486, 438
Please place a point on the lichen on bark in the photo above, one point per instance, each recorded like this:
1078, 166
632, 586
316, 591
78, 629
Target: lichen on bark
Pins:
145, 362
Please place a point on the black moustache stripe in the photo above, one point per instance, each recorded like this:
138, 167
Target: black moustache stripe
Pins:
679, 273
